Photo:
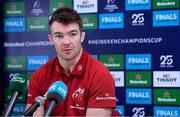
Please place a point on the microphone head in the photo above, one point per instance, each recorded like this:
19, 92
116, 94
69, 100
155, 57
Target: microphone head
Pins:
40, 99
18, 83
57, 92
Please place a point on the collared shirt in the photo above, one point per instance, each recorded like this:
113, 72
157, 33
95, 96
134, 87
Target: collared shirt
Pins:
90, 85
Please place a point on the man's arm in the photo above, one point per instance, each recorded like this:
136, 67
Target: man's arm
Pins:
39, 111
99, 112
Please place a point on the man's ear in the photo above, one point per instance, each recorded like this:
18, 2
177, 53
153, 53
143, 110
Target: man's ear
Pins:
50, 39
83, 34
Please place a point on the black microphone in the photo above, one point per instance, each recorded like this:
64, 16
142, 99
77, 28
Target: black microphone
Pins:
17, 85
39, 101
55, 94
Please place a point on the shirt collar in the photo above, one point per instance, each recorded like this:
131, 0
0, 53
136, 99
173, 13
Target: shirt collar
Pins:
79, 67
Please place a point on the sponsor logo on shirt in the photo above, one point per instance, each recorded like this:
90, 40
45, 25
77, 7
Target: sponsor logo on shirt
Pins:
105, 97
166, 18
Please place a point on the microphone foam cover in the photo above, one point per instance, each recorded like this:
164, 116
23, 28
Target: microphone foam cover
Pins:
18, 83
57, 91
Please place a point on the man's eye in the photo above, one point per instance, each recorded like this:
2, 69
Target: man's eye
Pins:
59, 36
73, 34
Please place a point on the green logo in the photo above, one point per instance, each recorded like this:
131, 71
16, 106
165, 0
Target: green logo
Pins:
167, 96
14, 9
54, 4
113, 62
8, 95
165, 4
37, 24
138, 79
14, 63
89, 21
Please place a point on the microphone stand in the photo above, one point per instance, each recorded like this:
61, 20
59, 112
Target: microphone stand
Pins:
50, 108
11, 104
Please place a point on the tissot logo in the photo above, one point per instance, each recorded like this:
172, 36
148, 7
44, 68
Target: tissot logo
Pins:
85, 6
138, 61
167, 111
166, 78
118, 78
113, 20
138, 4
34, 62
166, 18
138, 96
14, 25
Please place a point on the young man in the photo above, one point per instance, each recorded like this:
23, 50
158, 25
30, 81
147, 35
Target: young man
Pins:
91, 90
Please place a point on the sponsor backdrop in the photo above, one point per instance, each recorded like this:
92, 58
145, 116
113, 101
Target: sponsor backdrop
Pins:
137, 40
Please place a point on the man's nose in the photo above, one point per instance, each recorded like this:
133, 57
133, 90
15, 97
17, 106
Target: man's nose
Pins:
67, 39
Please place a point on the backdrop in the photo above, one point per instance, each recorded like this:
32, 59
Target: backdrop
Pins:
137, 40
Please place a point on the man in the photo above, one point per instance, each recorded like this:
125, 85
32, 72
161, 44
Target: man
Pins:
91, 90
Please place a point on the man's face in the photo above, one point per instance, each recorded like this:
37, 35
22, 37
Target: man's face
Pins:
67, 40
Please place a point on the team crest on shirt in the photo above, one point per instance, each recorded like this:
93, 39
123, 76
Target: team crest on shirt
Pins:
78, 94
78, 99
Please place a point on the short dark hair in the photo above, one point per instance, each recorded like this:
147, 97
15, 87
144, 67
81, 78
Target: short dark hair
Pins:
65, 16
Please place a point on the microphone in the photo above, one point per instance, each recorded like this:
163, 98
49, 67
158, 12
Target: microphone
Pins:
55, 94
17, 85
39, 101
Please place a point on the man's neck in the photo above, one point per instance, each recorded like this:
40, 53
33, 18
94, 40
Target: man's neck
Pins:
69, 65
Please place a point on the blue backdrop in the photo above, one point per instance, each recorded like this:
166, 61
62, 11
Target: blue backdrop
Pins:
137, 40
